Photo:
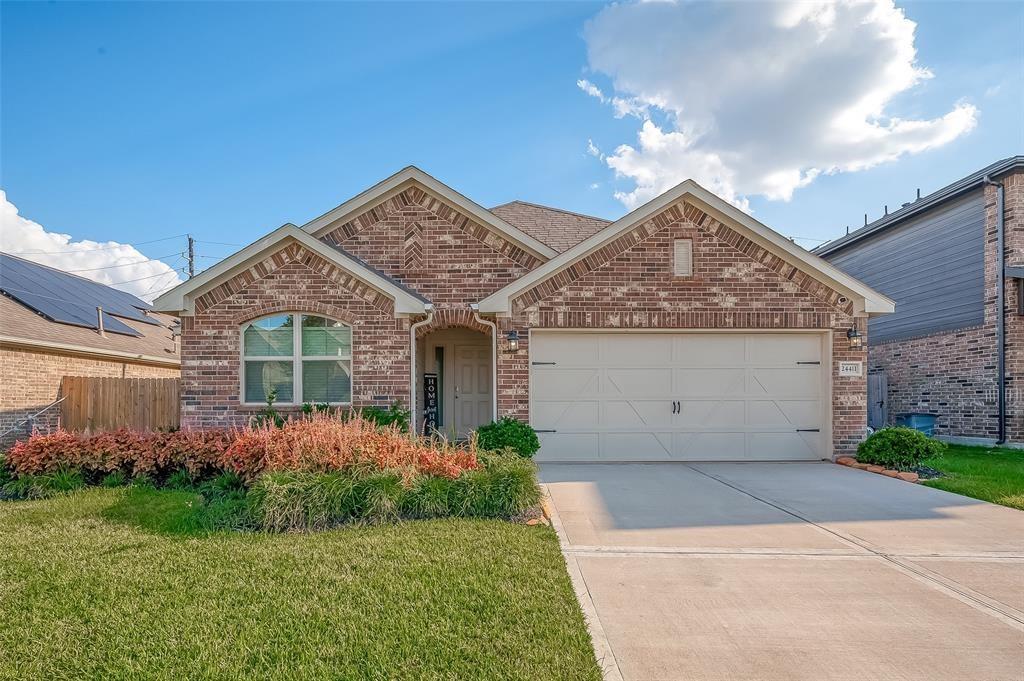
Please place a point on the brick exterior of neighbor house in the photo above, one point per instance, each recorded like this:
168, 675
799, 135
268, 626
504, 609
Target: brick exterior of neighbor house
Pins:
32, 379
453, 260
953, 373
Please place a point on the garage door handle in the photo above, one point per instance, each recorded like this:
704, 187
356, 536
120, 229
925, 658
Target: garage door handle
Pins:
816, 363
676, 407
543, 364
808, 430
538, 430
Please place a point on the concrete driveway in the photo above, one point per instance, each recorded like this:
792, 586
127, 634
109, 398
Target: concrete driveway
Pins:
789, 571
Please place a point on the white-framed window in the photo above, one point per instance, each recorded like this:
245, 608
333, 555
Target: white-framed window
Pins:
304, 357
683, 258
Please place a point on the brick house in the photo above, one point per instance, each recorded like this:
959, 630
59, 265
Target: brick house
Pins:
684, 330
49, 329
938, 258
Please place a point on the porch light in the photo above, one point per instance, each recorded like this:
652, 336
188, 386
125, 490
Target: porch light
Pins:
856, 340
513, 340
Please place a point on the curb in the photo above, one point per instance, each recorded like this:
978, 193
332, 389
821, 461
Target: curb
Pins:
888, 472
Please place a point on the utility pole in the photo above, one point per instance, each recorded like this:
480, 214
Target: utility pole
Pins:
191, 257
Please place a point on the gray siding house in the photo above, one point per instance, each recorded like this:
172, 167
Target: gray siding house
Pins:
954, 348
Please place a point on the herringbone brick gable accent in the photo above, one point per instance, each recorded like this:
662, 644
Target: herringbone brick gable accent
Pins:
413, 259
416, 197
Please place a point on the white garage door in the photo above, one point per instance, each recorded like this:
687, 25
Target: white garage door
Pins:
686, 397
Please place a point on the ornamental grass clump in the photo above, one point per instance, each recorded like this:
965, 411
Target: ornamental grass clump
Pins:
324, 443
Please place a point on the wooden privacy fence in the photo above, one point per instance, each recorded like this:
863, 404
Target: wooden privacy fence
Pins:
96, 404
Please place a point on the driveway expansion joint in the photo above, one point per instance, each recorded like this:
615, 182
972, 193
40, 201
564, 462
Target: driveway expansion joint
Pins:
980, 602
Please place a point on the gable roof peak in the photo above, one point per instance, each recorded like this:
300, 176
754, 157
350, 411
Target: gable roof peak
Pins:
400, 181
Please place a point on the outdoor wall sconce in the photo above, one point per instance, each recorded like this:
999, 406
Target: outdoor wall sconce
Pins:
513, 340
856, 341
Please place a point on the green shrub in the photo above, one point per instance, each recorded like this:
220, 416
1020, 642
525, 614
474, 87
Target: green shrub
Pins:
44, 485
115, 479
508, 433
180, 479
6, 474
898, 448
224, 485
394, 415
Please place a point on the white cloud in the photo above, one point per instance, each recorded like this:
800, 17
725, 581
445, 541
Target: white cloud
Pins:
134, 273
590, 89
622, 106
760, 98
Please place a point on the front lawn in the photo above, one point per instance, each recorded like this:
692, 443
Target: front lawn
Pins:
990, 474
95, 585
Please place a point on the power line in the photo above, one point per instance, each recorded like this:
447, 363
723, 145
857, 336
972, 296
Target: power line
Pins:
129, 281
127, 264
218, 243
103, 248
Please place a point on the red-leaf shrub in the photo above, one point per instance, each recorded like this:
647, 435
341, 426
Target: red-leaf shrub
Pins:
320, 443
323, 443
130, 451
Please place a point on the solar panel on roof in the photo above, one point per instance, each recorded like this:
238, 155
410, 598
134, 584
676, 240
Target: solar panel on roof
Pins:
65, 298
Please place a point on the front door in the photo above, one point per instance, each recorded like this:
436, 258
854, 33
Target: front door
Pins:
472, 388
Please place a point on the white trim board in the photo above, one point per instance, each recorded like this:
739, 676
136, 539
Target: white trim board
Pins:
409, 176
867, 301
181, 299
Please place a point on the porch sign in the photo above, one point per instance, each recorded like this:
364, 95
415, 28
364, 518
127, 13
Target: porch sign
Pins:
429, 403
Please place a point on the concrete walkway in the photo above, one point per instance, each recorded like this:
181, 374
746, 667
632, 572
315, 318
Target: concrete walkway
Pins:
789, 571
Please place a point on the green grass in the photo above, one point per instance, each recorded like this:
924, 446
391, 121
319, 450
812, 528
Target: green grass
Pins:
120, 583
990, 474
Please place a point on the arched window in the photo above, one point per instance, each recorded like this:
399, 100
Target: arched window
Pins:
305, 358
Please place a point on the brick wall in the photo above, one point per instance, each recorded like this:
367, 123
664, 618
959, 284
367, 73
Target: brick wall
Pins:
291, 280
432, 248
454, 262
32, 381
953, 374
629, 284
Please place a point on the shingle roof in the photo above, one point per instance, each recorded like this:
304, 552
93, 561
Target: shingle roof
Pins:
964, 184
559, 229
19, 322
41, 304
388, 277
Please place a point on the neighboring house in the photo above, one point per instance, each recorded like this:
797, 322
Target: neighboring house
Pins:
49, 329
938, 259
684, 330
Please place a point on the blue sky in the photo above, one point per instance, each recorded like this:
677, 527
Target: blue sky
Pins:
130, 122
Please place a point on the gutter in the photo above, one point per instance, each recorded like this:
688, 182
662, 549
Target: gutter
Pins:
968, 183
92, 352
412, 362
1000, 304
494, 358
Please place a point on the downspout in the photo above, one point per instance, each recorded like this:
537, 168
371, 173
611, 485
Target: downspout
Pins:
412, 362
1000, 305
494, 358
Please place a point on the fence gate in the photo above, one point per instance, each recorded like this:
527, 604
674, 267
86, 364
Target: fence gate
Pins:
96, 404
878, 400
